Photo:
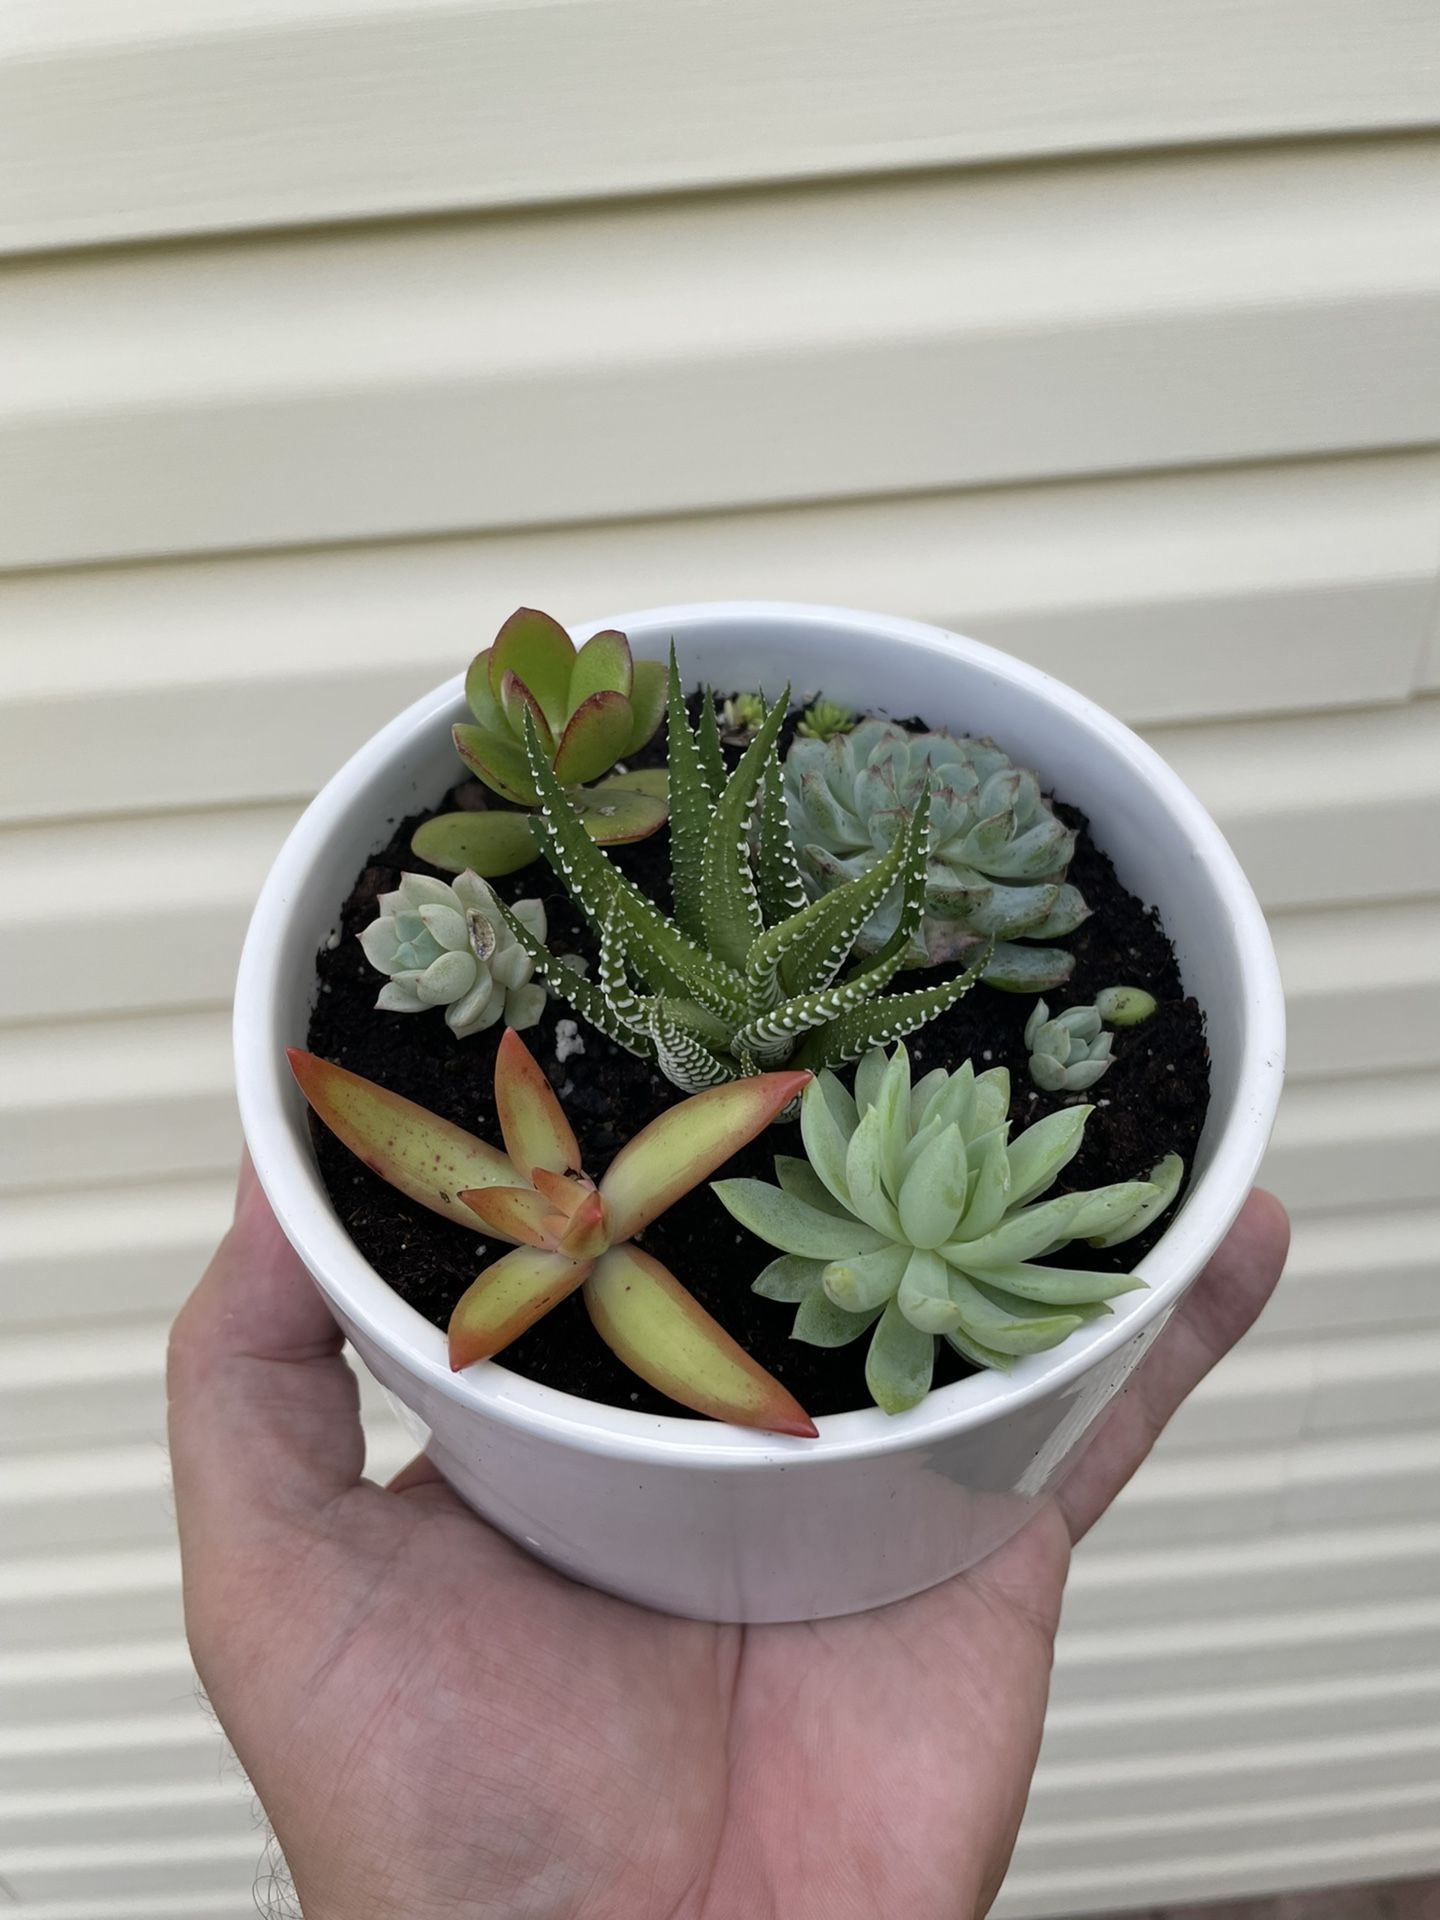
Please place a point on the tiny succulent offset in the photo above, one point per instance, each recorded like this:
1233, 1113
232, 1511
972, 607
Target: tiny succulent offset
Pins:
741, 717
748, 973
997, 855
589, 708
567, 1231
823, 719
1069, 1052
916, 1215
449, 945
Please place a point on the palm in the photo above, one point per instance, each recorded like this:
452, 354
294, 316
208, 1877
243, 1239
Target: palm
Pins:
438, 1725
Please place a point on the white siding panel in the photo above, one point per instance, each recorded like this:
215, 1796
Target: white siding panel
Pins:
125, 124
1167, 598
920, 335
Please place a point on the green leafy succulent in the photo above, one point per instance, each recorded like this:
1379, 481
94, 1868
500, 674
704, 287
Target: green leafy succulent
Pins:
748, 973
1069, 1052
741, 717
823, 719
998, 855
915, 1214
450, 946
590, 708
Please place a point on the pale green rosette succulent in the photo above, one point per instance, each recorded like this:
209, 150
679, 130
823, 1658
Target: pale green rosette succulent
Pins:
916, 1215
1070, 1052
450, 946
998, 854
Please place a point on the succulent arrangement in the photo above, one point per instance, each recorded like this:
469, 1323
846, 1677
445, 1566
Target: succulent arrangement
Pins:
748, 972
805, 890
567, 1232
915, 1214
996, 859
589, 709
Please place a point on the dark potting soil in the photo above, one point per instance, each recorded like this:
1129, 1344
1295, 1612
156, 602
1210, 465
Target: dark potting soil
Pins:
1151, 1102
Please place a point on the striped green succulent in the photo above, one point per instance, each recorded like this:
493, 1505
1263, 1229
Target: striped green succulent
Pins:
997, 856
915, 1215
748, 973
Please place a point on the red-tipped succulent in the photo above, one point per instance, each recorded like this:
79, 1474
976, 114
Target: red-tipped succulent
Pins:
568, 1230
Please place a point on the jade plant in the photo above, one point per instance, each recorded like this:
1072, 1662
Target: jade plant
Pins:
998, 854
450, 946
916, 1215
568, 1232
748, 973
590, 708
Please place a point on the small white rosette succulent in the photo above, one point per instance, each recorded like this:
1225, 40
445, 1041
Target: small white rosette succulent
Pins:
448, 945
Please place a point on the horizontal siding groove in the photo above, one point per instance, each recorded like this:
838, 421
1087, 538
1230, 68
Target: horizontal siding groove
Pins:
378, 110
196, 1807
1169, 598
41, 1874
1204, 309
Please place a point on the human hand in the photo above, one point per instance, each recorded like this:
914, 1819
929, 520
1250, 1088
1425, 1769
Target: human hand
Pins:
438, 1725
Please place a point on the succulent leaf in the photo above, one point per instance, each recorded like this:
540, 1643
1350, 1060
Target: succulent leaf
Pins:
1165, 1178
488, 842
729, 901
415, 1151
522, 1214
915, 1200
587, 710
1068, 1053
451, 945
664, 1335
823, 719
500, 1303
686, 1144
996, 853
532, 1121
1124, 1006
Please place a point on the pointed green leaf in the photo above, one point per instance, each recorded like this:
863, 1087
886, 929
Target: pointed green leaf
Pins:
981, 1319
587, 999
707, 742
977, 1353
1060, 1286
865, 1178
991, 1194
1165, 1178
792, 1225
685, 1145
932, 1197
484, 704
593, 740
685, 1059
1041, 1152
777, 872
658, 1330
800, 1178
882, 1021
602, 665
788, 1279
508, 1297
900, 1364
414, 1150
489, 842
924, 1296
820, 1323
826, 1142
538, 651
1047, 1224
729, 904
690, 808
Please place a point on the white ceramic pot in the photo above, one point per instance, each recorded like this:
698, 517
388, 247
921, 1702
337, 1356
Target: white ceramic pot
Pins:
709, 1520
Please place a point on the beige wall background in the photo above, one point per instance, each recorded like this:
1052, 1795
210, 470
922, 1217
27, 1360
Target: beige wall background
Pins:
332, 329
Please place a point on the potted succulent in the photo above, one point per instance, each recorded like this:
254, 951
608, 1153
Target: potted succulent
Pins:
899, 1039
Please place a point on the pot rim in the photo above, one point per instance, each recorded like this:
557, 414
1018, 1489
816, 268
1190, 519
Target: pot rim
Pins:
270, 1110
